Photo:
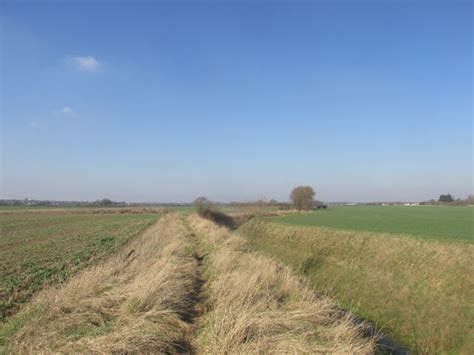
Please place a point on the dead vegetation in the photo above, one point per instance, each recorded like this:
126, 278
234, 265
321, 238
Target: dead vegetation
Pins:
40, 249
258, 305
136, 301
149, 298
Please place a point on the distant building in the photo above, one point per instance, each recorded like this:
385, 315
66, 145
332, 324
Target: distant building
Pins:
319, 204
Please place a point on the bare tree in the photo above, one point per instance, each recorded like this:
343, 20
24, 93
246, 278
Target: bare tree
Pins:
202, 204
470, 200
302, 197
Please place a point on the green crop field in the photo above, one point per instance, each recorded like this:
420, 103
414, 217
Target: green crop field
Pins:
39, 247
417, 290
439, 222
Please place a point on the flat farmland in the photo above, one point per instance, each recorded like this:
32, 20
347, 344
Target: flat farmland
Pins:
440, 222
41, 247
407, 269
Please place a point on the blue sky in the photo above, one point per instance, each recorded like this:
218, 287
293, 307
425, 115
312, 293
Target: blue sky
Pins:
236, 100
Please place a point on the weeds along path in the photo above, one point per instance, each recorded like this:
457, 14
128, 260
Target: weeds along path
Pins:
141, 299
258, 305
198, 300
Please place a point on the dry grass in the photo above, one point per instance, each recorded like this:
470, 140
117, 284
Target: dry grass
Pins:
133, 302
41, 249
258, 305
419, 291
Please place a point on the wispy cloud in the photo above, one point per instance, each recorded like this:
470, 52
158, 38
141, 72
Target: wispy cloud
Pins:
67, 110
88, 64
33, 124
64, 111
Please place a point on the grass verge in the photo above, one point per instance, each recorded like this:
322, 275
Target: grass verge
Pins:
135, 301
418, 291
257, 305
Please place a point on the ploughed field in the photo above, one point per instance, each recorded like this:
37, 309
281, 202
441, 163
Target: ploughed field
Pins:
441, 222
45, 246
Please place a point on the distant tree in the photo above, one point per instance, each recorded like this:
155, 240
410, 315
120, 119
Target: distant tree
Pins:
202, 204
106, 202
446, 198
302, 197
273, 202
470, 200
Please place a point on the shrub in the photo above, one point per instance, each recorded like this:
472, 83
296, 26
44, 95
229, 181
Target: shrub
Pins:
202, 205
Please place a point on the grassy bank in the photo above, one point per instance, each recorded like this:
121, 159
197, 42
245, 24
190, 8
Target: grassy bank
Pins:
150, 297
132, 302
435, 222
257, 305
45, 247
418, 291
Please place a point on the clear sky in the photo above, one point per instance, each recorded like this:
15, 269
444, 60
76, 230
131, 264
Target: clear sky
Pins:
236, 100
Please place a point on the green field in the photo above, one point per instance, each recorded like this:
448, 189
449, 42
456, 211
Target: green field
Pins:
419, 291
39, 247
425, 221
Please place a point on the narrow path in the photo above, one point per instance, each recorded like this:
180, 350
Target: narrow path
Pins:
259, 305
197, 305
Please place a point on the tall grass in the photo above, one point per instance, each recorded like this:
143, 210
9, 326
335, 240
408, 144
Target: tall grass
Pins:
42, 248
258, 305
135, 301
420, 292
